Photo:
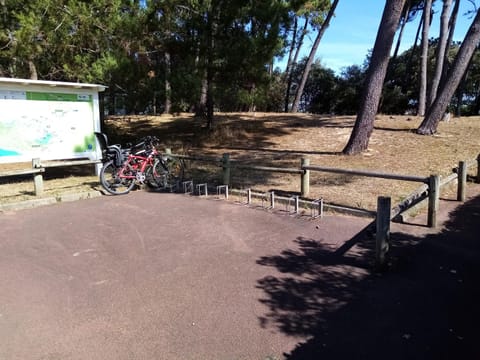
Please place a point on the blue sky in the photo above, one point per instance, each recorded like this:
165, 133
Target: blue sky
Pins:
353, 30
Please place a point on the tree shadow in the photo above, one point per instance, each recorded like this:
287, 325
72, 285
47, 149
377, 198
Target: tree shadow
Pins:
125, 130
423, 307
235, 131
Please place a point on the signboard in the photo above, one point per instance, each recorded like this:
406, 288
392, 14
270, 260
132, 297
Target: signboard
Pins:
47, 124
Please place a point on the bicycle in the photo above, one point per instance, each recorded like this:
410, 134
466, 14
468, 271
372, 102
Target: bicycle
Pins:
123, 168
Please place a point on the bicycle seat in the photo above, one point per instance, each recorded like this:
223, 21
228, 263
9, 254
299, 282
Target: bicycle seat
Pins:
109, 151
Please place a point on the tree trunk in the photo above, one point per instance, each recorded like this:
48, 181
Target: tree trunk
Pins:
459, 94
422, 99
372, 90
408, 66
212, 26
201, 108
445, 93
300, 41
451, 26
292, 65
402, 27
292, 45
311, 57
168, 90
288, 69
252, 107
440, 56
210, 102
451, 29
33, 70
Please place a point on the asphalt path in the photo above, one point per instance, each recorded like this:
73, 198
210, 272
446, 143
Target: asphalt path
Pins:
168, 276
148, 276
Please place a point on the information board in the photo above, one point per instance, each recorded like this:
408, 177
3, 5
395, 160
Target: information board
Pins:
47, 125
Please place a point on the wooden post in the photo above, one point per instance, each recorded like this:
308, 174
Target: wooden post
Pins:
226, 169
462, 181
478, 169
272, 199
305, 181
37, 177
433, 200
383, 230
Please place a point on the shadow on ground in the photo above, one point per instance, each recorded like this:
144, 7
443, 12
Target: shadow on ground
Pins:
424, 307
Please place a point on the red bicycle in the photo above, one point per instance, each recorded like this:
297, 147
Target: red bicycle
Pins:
140, 164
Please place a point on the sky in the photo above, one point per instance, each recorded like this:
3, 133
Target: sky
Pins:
352, 32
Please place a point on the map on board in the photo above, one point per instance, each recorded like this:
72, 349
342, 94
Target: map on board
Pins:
45, 125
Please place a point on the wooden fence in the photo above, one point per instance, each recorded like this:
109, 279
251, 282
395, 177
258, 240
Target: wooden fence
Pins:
430, 189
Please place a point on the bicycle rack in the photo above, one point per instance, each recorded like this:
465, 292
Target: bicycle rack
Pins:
199, 189
317, 208
224, 188
188, 187
288, 204
249, 196
268, 199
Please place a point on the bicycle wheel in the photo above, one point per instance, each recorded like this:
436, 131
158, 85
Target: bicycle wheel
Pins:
166, 174
175, 173
112, 182
156, 175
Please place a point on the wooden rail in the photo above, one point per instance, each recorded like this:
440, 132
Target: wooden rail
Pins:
368, 173
12, 173
268, 169
38, 168
61, 163
37, 177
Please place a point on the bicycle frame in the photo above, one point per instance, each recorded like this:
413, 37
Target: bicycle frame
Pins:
138, 164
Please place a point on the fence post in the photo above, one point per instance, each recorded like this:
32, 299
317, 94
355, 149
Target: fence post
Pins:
433, 200
37, 178
462, 181
226, 169
305, 181
382, 230
478, 169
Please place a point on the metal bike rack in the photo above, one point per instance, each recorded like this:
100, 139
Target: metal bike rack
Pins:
199, 188
296, 205
223, 188
317, 208
187, 187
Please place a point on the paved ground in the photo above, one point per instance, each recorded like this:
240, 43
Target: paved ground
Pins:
164, 276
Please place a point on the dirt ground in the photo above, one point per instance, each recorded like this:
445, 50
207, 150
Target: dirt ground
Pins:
168, 276
281, 140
